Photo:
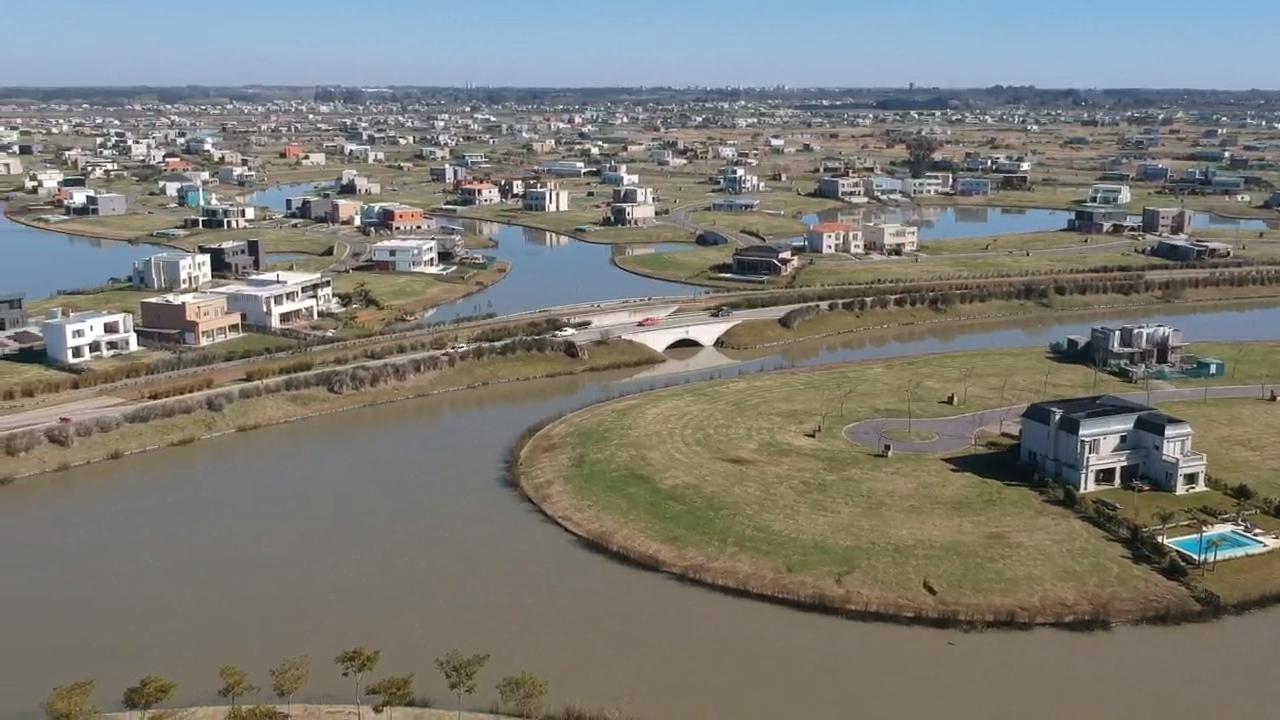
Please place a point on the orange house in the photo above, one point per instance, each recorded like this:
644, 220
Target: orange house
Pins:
292, 152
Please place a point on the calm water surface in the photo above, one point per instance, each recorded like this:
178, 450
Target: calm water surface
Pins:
393, 527
40, 263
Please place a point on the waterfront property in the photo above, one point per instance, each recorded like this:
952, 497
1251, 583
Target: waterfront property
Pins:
196, 319
222, 217
406, 255
275, 300
1166, 220
891, 238
1099, 442
235, 257
1109, 194
848, 188
764, 260
545, 199
478, 193
394, 217
13, 314
1136, 345
173, 271
833, 237
84, 336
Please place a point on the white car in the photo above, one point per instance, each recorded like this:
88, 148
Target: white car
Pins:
457, 347
565, 332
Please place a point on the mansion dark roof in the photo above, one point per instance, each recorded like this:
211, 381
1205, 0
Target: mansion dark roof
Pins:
1076, 411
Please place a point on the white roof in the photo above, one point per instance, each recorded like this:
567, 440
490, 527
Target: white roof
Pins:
183, 298
407, 243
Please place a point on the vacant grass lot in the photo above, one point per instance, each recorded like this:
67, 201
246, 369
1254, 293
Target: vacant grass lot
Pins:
724, 482
1252, 458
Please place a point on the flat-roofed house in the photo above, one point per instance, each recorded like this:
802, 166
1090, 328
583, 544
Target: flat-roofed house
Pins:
275, 300
80, 337
1104, 441
173, 271
545, 199
406, 255
891, 238
196, 319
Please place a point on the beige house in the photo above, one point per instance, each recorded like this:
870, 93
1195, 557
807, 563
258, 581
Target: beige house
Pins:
891, 238
196, 319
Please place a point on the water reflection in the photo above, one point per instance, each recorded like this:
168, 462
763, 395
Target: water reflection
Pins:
939, 222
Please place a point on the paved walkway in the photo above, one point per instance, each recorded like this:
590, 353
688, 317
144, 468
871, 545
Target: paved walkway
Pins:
957, 432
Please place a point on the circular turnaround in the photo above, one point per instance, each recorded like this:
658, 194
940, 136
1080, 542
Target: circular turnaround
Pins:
750, 484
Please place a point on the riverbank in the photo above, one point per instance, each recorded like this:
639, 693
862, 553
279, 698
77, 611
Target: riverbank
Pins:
747, 485
250, 411
752, 334
135, 239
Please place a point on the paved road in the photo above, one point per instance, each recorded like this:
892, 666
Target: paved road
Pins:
957, 432
680, 218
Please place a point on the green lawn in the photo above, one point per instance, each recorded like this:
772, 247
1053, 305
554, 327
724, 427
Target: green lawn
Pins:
725, 481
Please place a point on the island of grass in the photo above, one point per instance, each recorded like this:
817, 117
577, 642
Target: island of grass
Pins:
747, 484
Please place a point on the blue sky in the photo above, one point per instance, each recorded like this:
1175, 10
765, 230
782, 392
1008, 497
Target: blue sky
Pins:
1076, 43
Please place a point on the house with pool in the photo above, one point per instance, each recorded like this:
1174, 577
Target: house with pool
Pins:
1104, 441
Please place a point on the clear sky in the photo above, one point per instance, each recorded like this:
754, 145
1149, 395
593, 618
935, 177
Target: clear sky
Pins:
948, 43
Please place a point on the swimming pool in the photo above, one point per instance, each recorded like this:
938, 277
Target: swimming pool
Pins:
1230, 544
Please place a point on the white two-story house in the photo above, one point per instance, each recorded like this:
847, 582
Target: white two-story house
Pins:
279, 299
1099, 442
80, 337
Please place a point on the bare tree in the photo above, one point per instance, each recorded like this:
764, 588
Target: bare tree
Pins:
920, 150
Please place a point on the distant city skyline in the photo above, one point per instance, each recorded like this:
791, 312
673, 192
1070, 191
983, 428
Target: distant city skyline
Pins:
800, 43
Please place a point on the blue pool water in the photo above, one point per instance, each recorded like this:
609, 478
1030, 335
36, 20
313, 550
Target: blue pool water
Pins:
1231, 544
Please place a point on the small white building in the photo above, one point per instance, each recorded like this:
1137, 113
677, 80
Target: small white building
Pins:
1094, 443
891, 238
833, 237
1109, 194
616, 174
546, 200
84, 336
173, 271
406, 255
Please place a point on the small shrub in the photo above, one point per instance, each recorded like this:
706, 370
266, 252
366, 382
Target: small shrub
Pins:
215, 403
84, 428
107, 423
21, 443
60, 434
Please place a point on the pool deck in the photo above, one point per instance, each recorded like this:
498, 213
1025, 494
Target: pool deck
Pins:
1269, 542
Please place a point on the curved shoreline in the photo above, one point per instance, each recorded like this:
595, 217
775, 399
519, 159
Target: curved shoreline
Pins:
136, 240
706, 572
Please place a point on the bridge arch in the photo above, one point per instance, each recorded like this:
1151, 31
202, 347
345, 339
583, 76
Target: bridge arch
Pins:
703, 333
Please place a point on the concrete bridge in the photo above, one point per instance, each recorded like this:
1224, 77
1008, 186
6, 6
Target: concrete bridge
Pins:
702, 332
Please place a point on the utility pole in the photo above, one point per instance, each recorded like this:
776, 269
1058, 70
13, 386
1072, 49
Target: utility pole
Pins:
909, 406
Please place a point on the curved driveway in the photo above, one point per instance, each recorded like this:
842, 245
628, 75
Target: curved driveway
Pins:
957, 432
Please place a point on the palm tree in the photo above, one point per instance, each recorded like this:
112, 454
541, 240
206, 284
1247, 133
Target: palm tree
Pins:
1200, 526
1214, 544
1164, 517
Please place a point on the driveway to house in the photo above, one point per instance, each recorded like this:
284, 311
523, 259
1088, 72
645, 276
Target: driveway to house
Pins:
957, 432
680, 217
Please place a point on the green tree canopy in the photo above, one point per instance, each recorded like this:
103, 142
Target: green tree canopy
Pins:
150, 691
524, 693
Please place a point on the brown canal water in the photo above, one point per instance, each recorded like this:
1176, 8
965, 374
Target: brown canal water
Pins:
392, 527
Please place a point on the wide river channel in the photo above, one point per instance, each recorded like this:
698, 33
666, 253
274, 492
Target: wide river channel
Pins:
393, 527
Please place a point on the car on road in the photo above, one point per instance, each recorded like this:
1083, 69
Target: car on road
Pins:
723, 311
457, 348
649, 322
565, 332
